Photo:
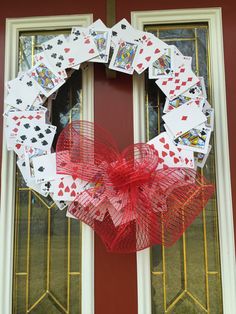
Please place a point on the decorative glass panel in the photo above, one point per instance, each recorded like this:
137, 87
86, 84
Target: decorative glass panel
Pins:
186, 277
47, 248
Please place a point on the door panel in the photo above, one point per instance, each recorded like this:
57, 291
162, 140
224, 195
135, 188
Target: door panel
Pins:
47, 246
186, 277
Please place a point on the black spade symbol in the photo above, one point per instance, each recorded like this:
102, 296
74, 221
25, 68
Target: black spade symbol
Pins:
27, 125
24, 164
44, 143
23, 137
48, 131
18, 101
114, 33
29, 83
49, 47
41, 169
58, 64
33, 140
54, 55
59, 42
203, 133
167, 71
37, 128
40, 135
123, 26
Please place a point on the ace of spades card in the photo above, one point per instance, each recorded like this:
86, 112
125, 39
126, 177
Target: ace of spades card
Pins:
46, 77
124, 57
35, 134
181, 80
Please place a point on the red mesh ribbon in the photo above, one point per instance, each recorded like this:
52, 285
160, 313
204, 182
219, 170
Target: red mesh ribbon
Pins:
129, 203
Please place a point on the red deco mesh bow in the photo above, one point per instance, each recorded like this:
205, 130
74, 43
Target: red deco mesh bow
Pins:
128, 203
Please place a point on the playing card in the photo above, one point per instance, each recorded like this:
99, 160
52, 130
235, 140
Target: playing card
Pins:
82, 46
162, 66
184, 118
45, 168
13, 123
200, 158
22, 93
21, 163
35, 134
209, 113
169, 155
151, 49
57, 50
64, 189
179, 101
182, 79
124, 57
46, 78
123, 31
179, 59
102, 40
196, 139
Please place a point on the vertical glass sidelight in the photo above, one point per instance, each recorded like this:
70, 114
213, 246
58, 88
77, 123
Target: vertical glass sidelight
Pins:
186, 277
47, 245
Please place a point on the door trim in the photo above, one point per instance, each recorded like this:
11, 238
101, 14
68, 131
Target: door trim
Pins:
213, 17
13, 28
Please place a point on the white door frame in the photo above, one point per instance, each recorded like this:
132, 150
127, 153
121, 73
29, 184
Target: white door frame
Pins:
226, 229
13, 29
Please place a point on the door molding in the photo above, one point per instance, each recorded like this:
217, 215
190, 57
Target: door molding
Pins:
213, 17
13, 29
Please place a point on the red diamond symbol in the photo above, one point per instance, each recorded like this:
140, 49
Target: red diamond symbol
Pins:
30, 117
190, 79
176, 74
183, 83
182, 70
164, 83
170, 79
177, 81
177, 88
15, 118
15, 130
184, 118
172, 91
38, 117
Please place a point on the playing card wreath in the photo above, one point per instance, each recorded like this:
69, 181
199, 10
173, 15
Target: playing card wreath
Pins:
150, 192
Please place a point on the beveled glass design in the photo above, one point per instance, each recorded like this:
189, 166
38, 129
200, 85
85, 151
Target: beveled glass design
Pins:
186, 277
47, 245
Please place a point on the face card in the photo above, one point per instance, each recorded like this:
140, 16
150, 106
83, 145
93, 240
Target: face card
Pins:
174, 86
179, 101
102, 40
183, 119
46, 78
196, 139
200, 158
162, 66
35, 134
124, 57
22, 93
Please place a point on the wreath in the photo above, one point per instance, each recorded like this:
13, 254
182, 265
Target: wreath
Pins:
145, 195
